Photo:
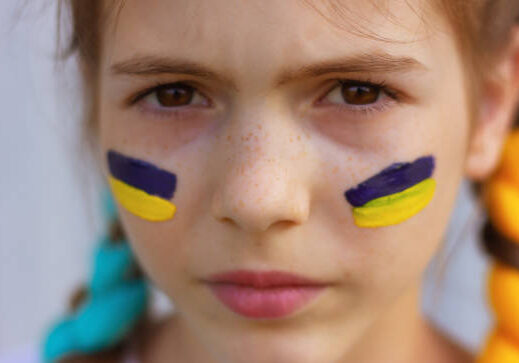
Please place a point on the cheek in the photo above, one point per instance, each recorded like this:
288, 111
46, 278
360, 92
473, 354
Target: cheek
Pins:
159, 252
164, 249
168, 249
382, 260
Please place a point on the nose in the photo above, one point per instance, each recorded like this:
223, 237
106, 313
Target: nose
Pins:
262, 179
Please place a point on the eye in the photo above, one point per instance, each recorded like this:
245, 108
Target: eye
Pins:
360, 94
357, 94
172, 95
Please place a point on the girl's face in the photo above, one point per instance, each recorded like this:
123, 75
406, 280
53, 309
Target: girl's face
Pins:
260, 142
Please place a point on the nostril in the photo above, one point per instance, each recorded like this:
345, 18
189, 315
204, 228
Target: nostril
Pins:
227, 220
284, 224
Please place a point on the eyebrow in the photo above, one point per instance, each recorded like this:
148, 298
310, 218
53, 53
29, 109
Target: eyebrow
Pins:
379, 62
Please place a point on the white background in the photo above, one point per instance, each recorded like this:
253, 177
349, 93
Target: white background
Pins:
49, 203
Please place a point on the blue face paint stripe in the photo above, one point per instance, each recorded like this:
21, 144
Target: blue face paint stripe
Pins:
142, 175
393, 179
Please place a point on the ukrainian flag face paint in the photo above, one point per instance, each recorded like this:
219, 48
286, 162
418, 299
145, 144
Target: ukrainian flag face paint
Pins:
142, 188
394, 195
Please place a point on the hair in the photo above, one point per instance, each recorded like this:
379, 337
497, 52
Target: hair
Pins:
482, 30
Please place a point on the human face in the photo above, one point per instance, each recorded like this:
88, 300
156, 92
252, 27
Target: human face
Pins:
262, 162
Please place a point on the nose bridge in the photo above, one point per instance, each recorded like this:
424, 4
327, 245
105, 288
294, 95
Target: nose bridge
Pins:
261, 182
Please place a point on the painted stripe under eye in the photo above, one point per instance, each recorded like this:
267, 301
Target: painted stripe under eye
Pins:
393, 179
142, 175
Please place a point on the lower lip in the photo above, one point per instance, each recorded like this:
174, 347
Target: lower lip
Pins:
274, 302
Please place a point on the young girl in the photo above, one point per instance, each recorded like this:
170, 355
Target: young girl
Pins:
284, 171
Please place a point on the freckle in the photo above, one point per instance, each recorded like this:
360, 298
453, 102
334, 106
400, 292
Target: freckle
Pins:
291, 139
299, 137
229, 137
335, 170
260, 127
247, 148
240, 203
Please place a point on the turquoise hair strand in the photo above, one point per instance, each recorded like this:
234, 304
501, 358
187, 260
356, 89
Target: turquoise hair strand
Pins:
116, 301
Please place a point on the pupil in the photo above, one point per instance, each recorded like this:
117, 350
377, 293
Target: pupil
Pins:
172, 96
360, 94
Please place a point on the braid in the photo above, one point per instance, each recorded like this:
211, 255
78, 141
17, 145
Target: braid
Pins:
501, 240
105, 313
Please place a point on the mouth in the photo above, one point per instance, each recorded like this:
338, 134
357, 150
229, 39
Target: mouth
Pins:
265, 295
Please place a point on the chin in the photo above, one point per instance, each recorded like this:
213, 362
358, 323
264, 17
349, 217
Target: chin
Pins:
272, 344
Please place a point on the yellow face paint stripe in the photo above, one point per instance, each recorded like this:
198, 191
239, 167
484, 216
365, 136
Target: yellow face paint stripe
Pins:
395, 208
140, 203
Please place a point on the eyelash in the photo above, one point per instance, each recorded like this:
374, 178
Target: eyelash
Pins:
385, 92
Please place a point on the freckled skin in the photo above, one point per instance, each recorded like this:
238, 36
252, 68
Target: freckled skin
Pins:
261, 175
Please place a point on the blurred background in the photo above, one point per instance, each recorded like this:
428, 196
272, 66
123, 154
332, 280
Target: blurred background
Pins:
50, 206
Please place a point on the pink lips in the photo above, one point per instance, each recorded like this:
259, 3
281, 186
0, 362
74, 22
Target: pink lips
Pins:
269, 294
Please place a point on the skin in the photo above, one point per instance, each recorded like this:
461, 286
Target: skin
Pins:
262, 169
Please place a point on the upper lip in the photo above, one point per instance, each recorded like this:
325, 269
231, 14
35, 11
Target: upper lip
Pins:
262, 279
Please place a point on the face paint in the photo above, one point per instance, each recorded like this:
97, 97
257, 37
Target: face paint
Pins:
394, 195
142, 188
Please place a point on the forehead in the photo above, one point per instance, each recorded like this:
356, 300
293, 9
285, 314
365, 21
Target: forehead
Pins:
241, 34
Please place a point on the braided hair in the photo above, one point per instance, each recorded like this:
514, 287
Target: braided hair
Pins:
103, 313
500, 238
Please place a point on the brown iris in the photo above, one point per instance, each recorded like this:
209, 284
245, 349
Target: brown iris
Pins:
174, 95
360, 94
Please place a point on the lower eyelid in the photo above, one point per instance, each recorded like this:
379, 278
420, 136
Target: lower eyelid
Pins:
181, 112
376, 107
367, 109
